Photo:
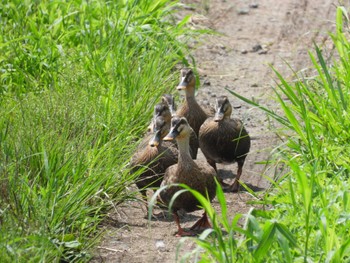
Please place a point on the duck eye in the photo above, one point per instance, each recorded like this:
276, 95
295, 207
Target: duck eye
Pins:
179, 128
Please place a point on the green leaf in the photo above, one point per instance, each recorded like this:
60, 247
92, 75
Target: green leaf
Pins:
266, 240
72, 244
286, 234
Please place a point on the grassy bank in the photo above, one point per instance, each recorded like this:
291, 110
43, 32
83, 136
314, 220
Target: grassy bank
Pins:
78, 83
307, 212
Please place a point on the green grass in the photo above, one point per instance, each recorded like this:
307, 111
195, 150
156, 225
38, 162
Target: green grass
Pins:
78, 83
307, 219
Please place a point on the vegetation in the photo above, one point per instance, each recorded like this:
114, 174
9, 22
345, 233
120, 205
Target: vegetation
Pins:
78, 83
307, 219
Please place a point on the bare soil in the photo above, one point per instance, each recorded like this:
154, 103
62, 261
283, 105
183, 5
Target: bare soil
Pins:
253, 36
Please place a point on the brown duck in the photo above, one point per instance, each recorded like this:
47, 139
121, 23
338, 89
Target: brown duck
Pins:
162, 109
224, 140
190, 109
196, 174
154, 156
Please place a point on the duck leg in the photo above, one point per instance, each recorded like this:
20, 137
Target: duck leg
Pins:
235, 186
220, 180
202, 223
212, 164
180, 232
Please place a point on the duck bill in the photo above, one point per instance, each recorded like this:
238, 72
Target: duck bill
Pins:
183, 84
154, 142
218, 116
171, 135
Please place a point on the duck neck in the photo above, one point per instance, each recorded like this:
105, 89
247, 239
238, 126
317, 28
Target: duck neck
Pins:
190, 94
184, 151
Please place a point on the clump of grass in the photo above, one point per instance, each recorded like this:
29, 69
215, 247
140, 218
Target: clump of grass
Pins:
308, 219
78, 82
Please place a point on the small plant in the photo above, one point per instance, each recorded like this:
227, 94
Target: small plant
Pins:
78, 81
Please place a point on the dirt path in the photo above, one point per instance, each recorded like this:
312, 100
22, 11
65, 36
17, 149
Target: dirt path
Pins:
255, 34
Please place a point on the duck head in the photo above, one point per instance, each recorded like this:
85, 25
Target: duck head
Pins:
179, 129
187, 79
160, 129
163, 110
223, 108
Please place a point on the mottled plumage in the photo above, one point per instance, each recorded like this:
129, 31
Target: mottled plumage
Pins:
198, 175
190, 109
224, 140
154, 156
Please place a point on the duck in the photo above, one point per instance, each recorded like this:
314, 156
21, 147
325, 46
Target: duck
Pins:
190, 109
153, 156
224, 140
163, 109
196, 174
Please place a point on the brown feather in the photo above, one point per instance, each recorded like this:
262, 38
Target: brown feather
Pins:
190, 109
154, 159
196, 174
224, 140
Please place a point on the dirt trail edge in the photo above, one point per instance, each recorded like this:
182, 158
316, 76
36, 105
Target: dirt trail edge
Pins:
254, 36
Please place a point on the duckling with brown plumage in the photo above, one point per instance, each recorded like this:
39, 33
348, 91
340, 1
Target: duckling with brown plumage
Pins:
224, 140
190, 109
154, 156
198, 175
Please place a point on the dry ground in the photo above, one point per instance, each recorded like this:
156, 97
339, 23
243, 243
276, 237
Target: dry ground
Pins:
255, 34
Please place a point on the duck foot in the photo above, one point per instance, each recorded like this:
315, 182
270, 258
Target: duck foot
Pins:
182, 233
202, 223
234, 187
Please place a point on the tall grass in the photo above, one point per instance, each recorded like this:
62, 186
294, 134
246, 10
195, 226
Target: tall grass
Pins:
308, 215
78, 82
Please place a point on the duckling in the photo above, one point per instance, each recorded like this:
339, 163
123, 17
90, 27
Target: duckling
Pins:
191, 110
154, 155
198, 175
224, 140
